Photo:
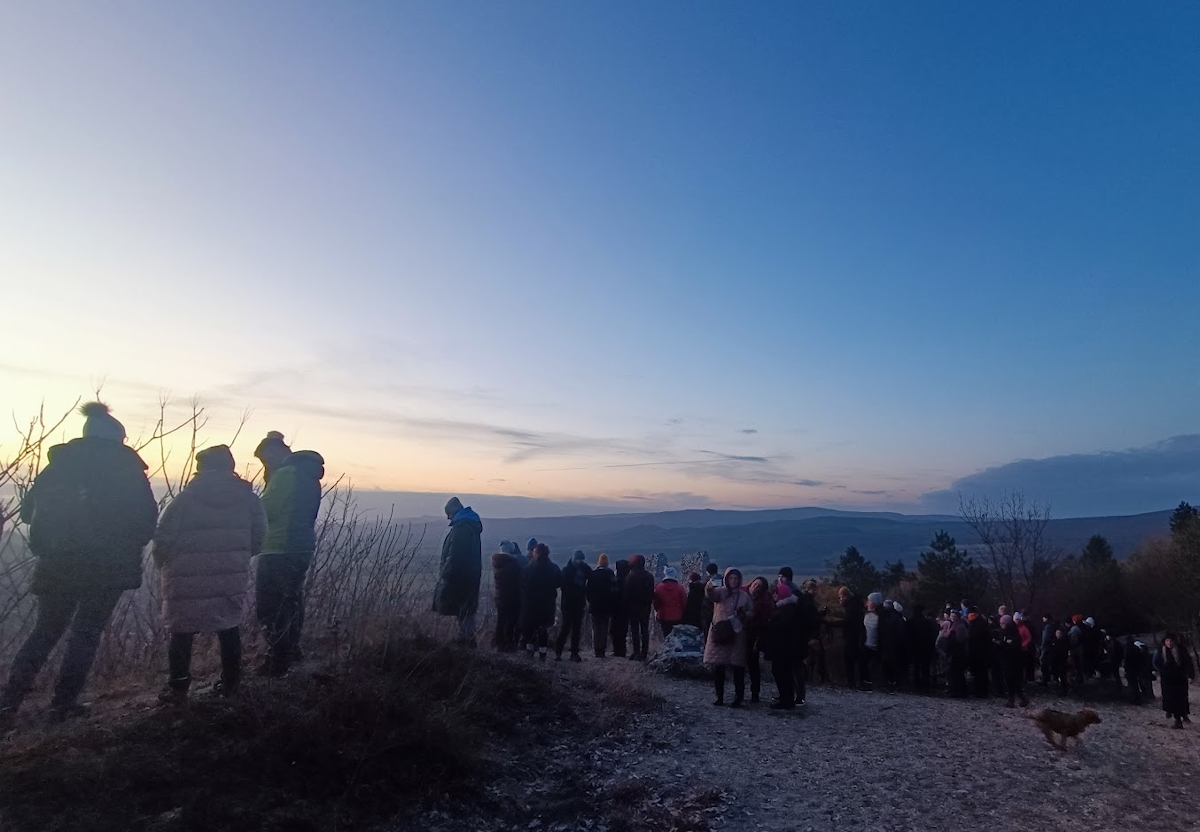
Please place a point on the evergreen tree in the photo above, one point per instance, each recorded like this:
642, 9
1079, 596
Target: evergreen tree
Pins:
944, 573
856, 572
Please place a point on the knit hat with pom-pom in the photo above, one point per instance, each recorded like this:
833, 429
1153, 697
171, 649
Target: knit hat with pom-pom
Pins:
99, 423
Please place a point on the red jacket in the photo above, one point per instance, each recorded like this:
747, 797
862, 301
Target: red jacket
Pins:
670, 600
1026, 636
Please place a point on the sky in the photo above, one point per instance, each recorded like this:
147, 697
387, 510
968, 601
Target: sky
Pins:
621, 255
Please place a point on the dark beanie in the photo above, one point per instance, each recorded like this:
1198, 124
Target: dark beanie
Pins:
274, 439
216, 458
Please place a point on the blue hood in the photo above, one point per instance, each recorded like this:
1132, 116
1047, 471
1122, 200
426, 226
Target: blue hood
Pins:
467, 514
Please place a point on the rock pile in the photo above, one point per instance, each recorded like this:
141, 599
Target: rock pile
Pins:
681, 654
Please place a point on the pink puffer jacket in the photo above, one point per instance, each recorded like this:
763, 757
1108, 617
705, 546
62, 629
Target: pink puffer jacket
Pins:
203, 546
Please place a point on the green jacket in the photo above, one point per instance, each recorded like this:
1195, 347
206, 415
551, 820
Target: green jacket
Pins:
457, 590
292, 500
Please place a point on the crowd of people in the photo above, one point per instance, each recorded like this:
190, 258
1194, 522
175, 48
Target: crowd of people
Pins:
91, 512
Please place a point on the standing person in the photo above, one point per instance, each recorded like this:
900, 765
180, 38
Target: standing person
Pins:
1046, 651
203, 546
507, 568
619, 628
726, 645
979, 648
782, 645
1174, 668
90, 513
874, 634
292, 500
1076, 638
958, 641
808, 628
706, 609
1060, 659
539, 591
762, 606
693, 610
573, 605
531, 550
922, 642
601, 598
1028, 654
1135, 662
670, 601
852, 634
639, 596
457, 590
1013, 657
896, 655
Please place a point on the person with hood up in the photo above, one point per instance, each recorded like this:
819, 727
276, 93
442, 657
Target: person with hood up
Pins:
1046, 649
693, 610
457, 590
639, 596
1013, 659
979, 649
1175, 670
601, 598
292, 500
539, 590
90, 512
1136, 662
507, 567
530, 550
783, 645
619, 625
202, 547
670, 601
726, 645
852, 635
573, 604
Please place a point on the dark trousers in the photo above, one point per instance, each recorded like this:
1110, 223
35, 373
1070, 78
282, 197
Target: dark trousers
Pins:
179, 658
739, 683
979, 677
784, 671
1030, 665
1014, 681
799, 677
870, 668
619, 630
639, 629
851, 655
279, 598
667, 627
572, 627
1047, 662
1137, 688
86, 615
754, 666
506, 626
600, 625
957, 682
537, 638
922, 674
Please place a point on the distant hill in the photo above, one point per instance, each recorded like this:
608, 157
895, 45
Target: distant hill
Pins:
805, 538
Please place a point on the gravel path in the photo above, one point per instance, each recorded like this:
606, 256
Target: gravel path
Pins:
872, 761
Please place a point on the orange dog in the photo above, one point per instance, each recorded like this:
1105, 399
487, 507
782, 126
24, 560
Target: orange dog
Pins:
1065, 725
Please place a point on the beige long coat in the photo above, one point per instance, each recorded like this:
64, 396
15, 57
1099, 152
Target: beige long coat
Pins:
203, 546
726, 604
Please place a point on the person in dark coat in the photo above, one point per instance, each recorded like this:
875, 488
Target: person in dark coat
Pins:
693, 611
292, 500
1136, 661
639, 595
90, 512
808, 628
979, 651
573, 604
712, 579
601, 599
763, 601
507, 568
1013, 659
895, 641
852, 633
782, 636
922, 641
1060, 659
1174, 668
1046, 649
539, 591
958, 650
457, 590
619, 626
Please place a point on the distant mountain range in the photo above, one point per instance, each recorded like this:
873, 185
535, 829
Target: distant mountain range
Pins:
805, 538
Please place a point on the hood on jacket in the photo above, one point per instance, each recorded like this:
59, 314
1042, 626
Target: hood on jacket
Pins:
502, 559
466, 515
310, 462
218, 488
637, 563
89, 450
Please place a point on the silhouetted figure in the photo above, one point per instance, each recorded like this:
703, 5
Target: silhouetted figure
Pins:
539, 590
507, 567
602, 596
574, 604
639, 596
619, 629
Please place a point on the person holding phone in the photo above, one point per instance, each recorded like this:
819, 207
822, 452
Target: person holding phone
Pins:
726, 645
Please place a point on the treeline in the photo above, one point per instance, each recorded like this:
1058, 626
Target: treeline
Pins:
1158, 587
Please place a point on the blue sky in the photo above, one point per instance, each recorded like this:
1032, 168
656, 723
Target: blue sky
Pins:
633, 254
